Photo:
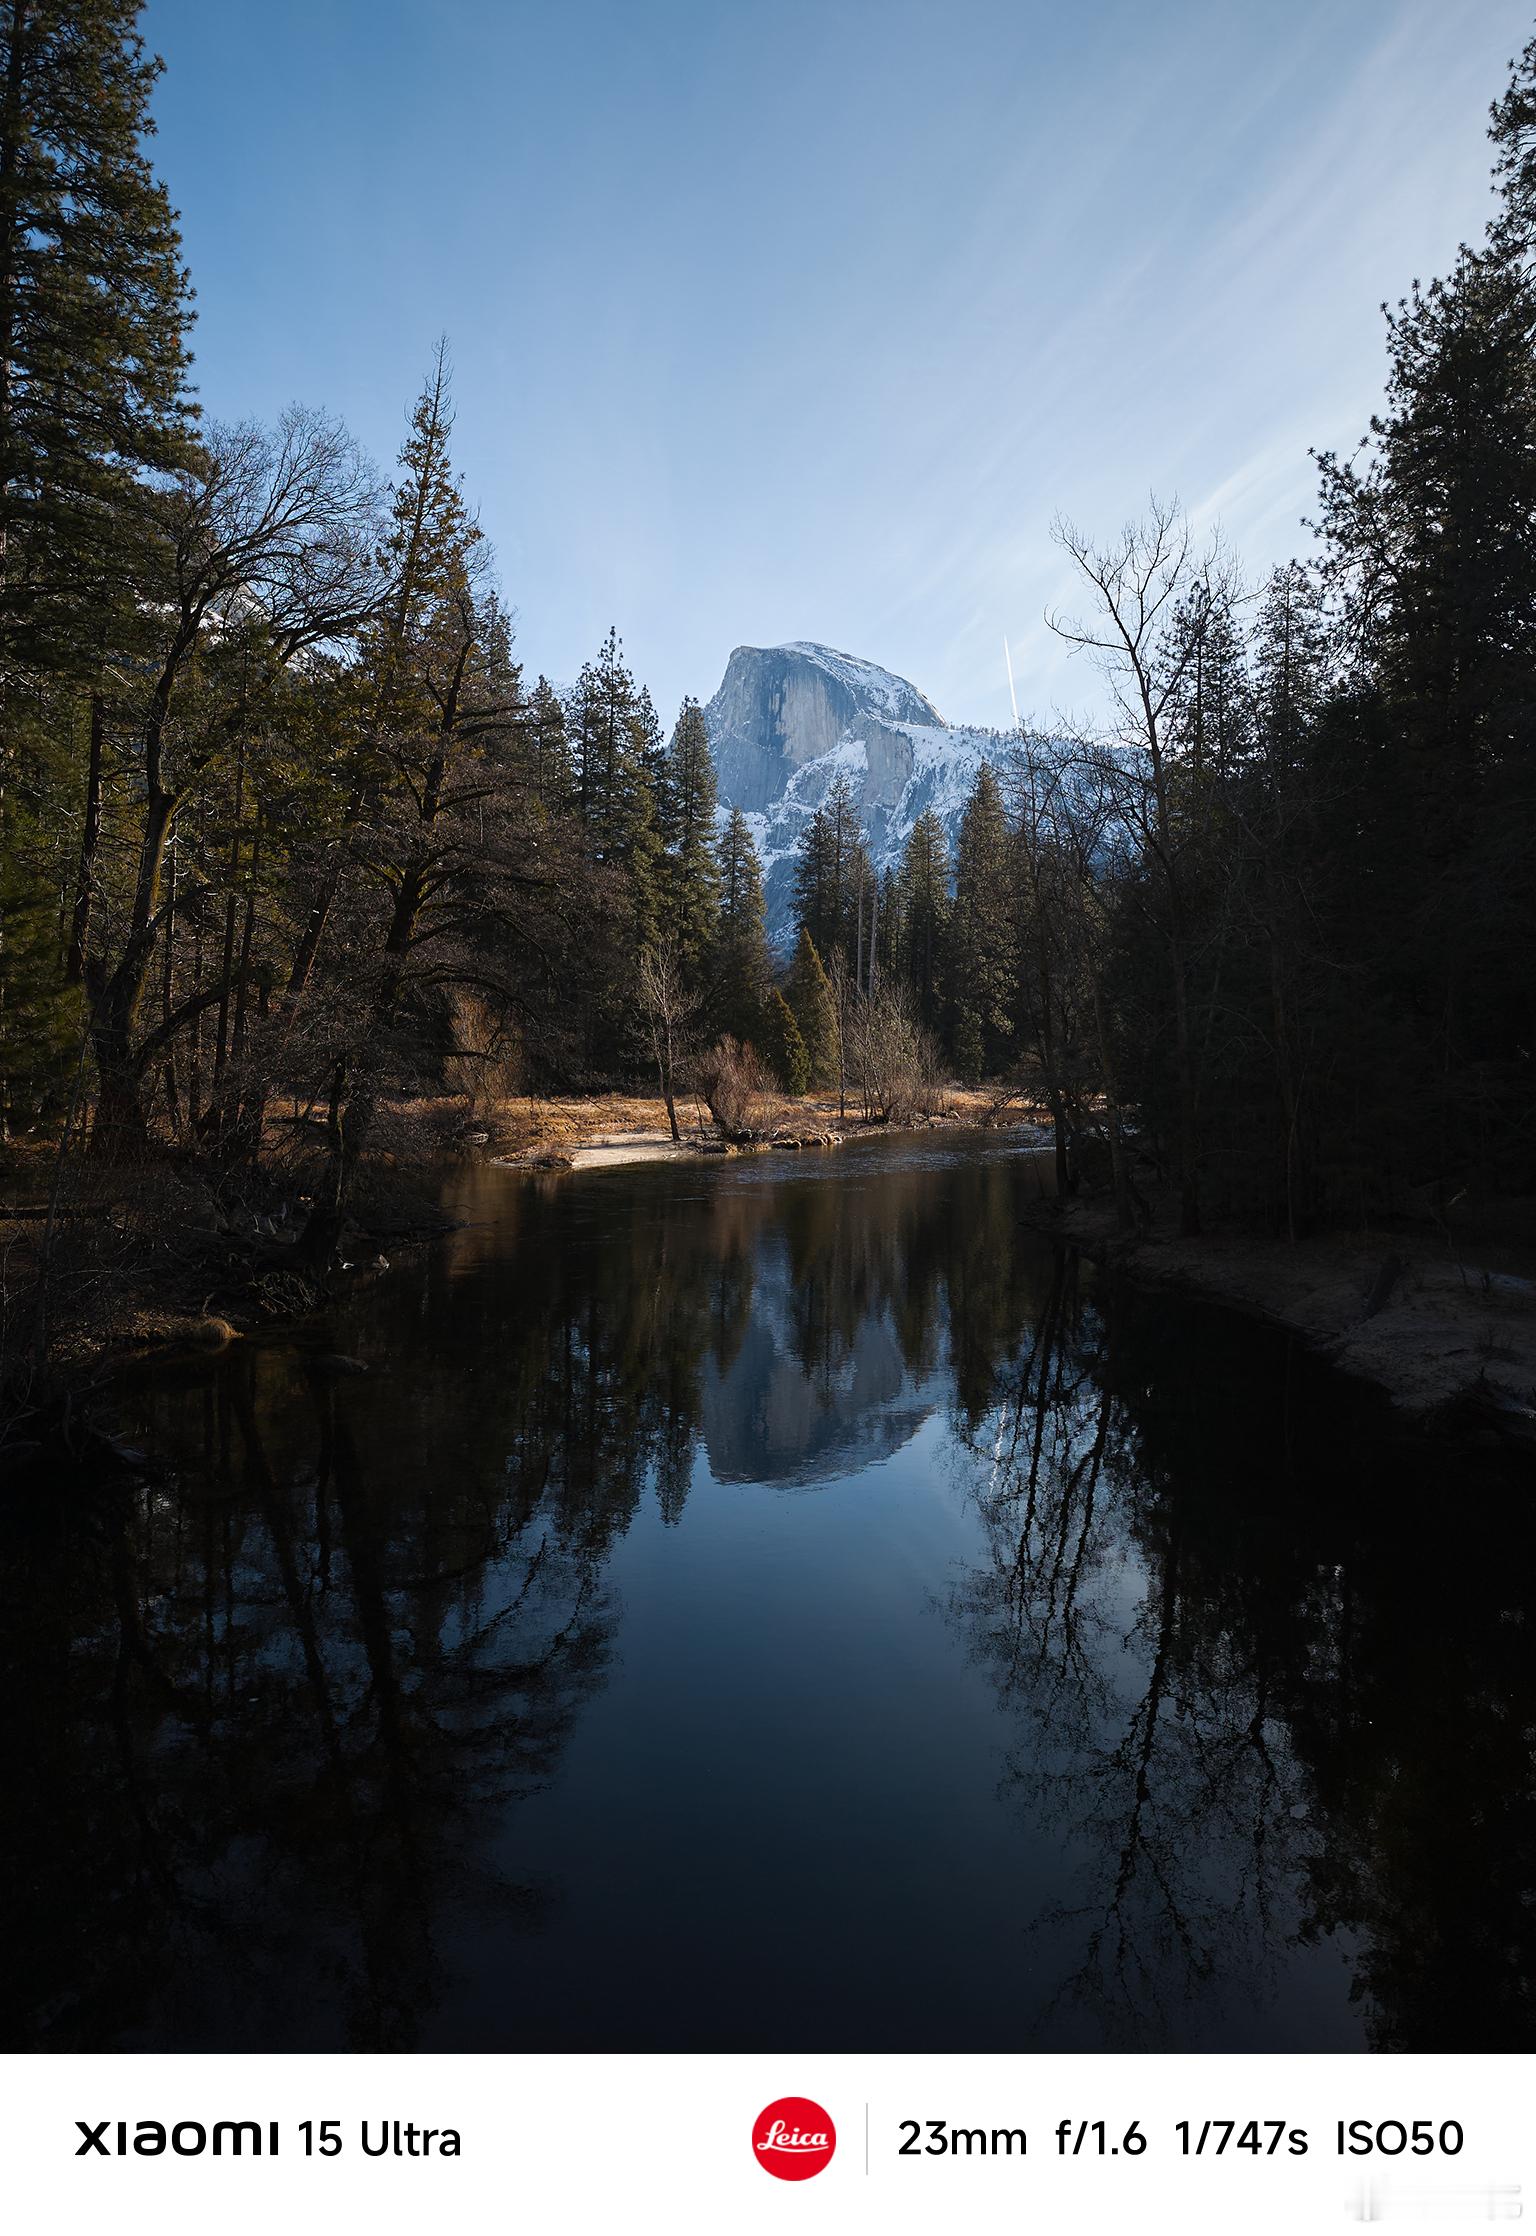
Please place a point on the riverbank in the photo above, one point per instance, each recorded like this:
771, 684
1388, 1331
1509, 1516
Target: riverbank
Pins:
1449, 1336
172, 1262
579, 1132
182, 1257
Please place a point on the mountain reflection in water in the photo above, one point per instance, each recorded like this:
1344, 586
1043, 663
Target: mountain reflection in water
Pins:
766, 1605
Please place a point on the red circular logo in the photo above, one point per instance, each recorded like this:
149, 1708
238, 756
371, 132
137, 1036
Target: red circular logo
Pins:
793, 2138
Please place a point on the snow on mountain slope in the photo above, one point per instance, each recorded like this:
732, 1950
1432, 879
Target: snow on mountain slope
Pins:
789, 718
887, 694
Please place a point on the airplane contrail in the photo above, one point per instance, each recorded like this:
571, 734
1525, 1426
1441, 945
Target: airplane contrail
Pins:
1012, 694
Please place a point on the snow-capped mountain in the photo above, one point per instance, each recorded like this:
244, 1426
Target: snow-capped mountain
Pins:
788, 718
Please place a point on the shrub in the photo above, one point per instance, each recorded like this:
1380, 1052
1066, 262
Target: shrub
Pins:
891, 1060
732, 1082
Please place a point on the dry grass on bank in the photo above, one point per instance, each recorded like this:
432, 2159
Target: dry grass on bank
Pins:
420, 1129
556, 1125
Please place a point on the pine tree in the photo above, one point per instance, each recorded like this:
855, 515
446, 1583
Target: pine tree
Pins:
742, 964
1292, 654
39, 1014
1432, 551
784, 1045
445, 684
982, 956
613, 739
831, 867
415, 638
691, 872
655, 763
924, 918
810, 997
617, 761
94, 311
1210, 708
816, 889
643, 851
548, 749
849, 863
1513, 133
1279, 976
861, 916
886, 966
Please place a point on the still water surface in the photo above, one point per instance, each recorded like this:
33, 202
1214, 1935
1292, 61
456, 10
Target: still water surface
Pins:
768, 1605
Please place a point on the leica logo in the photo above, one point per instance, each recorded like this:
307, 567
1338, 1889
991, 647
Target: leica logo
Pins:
782, 2138
793, 2138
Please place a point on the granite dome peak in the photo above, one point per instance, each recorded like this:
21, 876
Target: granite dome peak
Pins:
789, 718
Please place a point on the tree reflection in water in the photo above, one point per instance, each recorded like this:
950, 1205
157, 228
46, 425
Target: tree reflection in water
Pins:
276, 1707
264, 1716
1270, 1688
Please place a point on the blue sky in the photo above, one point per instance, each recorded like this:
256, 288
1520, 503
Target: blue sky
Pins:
776, 320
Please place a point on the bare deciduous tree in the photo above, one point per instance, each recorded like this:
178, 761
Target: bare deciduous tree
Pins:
264, 554
1140, 581
669, 1008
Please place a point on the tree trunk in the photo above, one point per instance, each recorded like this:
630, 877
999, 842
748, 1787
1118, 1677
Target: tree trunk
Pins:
10, 160
1286, 1082
1119, 1171
239, 1106
665, 1068
119, 1130
90, 839
1054, 1095
119, 1125
167, 990
1189, 1117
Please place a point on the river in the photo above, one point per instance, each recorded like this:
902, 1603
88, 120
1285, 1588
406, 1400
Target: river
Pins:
770, 1603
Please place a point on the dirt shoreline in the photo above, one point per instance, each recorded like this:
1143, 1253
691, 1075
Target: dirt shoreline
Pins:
1450, 1339
648, 1146
583, 1134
